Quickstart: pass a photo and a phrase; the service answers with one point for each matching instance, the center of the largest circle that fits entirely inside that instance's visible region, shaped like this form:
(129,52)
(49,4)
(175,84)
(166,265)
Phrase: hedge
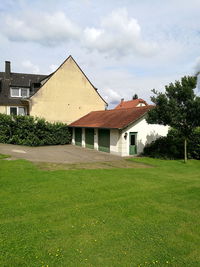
(172,147)
(31,131)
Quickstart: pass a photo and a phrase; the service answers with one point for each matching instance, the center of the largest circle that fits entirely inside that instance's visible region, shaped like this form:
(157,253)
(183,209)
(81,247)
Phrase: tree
(135,97)
(178,107)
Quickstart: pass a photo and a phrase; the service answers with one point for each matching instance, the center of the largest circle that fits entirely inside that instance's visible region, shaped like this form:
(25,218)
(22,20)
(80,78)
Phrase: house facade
(63,96)
(15,89)
(122,132)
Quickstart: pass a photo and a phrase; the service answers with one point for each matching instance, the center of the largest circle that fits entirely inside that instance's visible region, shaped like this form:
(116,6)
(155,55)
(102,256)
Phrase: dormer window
(19,92)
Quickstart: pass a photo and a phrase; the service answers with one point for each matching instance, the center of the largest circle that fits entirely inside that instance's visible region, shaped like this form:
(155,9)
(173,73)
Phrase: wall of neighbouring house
(3,109)
(66,96)
(146,133)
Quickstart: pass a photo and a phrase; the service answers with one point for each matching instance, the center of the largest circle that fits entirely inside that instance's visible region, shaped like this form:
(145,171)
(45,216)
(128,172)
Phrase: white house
(121,132)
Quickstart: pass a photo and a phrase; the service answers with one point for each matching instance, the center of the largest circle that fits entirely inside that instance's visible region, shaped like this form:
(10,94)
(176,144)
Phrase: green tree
(135,97)
(178,107)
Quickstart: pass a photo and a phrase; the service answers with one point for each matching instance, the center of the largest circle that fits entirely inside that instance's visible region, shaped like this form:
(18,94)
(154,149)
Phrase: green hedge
(30,131)
(172,146)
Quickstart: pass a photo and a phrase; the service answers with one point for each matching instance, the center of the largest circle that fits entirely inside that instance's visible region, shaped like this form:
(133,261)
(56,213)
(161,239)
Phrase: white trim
(20,92)
(17,107)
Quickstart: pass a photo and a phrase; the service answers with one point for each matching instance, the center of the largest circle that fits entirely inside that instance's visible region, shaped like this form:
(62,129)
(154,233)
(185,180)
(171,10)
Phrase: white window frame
(20,92)
(17,107)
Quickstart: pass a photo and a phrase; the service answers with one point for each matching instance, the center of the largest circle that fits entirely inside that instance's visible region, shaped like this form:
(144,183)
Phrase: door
(104,140)
(78,136)
(132,143)
(89,137)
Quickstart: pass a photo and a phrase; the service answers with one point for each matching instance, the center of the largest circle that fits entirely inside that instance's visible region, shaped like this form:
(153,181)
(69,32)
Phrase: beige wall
(66,96)
(3,109)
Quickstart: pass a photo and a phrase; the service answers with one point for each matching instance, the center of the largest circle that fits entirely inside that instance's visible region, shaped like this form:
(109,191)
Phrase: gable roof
(70,57)
(18,80)
(113,119)
(130,103)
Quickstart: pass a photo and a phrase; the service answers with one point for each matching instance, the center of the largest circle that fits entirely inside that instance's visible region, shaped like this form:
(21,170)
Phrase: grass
(91,165)
(3,156)
(104,217)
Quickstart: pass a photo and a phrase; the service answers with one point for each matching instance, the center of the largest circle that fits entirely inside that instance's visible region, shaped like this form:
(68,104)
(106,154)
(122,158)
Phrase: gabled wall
(146,133)
(66,96)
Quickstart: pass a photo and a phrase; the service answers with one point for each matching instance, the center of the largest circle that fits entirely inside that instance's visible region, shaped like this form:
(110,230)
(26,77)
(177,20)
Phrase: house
(15,88)
(122,131)
(131,103)
(66,95)
(63,96)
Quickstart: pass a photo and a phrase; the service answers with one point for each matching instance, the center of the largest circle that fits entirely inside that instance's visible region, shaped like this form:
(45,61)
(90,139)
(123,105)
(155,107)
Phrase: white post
(96,146)
(73,136)
(83,137)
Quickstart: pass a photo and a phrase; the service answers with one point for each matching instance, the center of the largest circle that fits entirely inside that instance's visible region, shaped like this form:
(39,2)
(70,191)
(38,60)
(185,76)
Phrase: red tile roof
(114,118)
(131,103)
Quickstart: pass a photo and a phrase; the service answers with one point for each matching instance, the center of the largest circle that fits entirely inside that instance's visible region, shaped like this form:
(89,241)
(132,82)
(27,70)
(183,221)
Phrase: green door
(132,143)
(89,137)
(104,140)
(78,136)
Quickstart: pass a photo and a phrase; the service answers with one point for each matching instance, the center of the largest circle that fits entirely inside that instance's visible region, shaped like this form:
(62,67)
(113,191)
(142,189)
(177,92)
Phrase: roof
(113,119)
(23,79)
(19,80)
(131,103)
(70,57)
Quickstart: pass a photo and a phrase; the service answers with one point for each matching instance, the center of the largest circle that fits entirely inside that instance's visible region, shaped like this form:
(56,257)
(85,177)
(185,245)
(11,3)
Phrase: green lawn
(112,217)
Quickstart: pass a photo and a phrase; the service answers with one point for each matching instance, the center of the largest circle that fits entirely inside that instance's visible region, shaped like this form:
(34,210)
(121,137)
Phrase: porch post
(96,145)
(83,137)
(73,136)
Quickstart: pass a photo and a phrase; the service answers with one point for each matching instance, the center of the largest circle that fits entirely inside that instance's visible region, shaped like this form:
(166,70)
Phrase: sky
(125,47)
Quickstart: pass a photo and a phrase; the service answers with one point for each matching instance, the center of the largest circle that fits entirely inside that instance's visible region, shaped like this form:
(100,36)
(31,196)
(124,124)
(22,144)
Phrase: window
(19,92)
(18,111)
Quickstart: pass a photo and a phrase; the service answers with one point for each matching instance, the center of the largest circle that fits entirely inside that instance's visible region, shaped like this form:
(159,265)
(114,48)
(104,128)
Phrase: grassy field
(105,217)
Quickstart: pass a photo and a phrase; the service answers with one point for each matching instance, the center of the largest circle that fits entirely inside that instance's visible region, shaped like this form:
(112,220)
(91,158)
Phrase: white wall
(114,141)
(146,133)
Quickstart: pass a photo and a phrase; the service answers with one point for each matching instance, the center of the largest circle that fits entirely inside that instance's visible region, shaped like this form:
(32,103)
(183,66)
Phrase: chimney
(7,69)
(122,100)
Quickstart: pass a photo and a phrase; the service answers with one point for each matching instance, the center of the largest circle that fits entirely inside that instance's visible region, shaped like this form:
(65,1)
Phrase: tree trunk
(185,150)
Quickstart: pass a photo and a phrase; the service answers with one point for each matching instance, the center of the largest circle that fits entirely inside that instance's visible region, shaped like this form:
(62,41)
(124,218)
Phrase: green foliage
(171,146)
(178,107)
(30,131)
(135,96)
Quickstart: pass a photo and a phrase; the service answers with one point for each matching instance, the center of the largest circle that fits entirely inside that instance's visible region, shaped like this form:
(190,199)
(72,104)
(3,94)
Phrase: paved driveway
(57,154)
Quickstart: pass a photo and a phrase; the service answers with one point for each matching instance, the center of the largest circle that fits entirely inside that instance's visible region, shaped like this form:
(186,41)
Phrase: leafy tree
(178,107)
(135,97)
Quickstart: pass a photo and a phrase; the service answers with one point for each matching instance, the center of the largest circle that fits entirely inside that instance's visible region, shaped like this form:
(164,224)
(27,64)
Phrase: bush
(172,146)
(30,131)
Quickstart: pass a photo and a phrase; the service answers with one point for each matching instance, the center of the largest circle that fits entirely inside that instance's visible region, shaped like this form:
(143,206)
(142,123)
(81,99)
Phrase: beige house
(66,95)
(63,96)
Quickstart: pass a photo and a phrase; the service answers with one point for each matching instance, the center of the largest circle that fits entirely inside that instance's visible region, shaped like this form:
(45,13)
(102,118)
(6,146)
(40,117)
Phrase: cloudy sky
(123,46)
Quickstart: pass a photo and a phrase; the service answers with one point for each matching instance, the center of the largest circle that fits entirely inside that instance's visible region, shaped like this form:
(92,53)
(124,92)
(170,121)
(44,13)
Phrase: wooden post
(185,150)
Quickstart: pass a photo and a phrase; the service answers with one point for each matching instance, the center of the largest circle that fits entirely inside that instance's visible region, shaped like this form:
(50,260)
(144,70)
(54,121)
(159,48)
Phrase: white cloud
(196,66)
(48,29)
(118,34)
(53,67)
(111,96)
(30,67)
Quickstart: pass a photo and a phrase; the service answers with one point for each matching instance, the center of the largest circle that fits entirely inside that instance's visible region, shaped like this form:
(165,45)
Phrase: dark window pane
(132,140)
(13,111)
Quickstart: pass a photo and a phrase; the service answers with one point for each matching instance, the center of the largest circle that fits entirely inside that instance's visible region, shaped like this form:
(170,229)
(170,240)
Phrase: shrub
(30,131)
(171,146)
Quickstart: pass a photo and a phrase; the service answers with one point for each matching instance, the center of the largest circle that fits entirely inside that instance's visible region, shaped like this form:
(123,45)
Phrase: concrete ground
(57,154)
